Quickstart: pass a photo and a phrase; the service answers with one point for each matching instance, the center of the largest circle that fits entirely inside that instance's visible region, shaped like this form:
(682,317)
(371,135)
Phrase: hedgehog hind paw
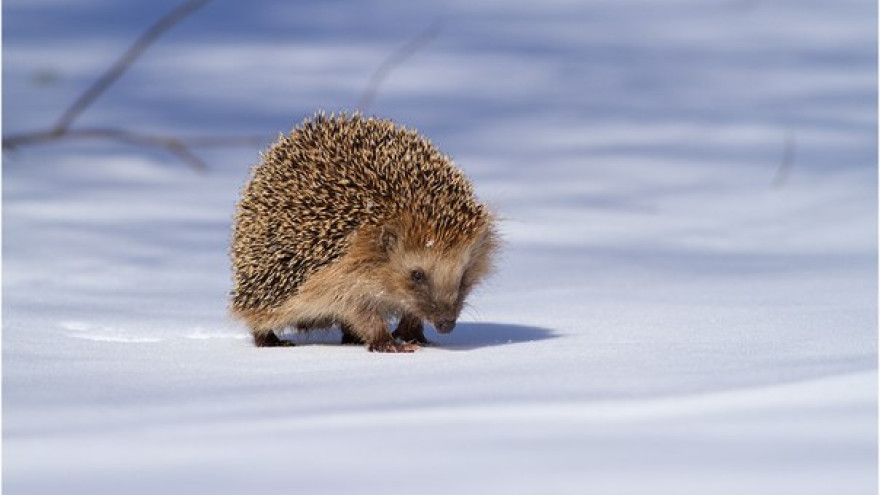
(270,340)
(351,339)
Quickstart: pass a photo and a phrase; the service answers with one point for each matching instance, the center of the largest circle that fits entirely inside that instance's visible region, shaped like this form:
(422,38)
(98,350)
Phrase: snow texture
(676,310)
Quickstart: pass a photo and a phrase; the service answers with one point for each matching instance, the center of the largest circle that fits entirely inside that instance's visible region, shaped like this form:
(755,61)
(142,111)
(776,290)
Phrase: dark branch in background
(176,146)
(393,61)
(124,62)
(179,147)
(787,162)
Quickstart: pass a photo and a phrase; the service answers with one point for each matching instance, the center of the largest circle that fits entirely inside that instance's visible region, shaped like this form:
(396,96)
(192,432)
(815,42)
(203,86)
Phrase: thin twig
(39,137)
(179,147)
(124,62)
(182,152)
(787,161)
(394,60)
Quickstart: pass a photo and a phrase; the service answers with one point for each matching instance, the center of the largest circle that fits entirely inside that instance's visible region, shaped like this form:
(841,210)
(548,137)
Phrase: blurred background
(688,289)
(718,79)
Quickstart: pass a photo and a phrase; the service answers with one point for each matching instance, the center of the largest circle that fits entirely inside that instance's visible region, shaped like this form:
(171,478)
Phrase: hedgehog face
(433,289)
(433,282)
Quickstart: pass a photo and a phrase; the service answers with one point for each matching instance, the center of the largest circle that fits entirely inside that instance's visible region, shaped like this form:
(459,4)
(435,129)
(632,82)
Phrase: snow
(664,319)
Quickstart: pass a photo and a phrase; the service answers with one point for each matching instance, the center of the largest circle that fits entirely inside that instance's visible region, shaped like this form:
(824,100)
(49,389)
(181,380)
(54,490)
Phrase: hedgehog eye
(417,276)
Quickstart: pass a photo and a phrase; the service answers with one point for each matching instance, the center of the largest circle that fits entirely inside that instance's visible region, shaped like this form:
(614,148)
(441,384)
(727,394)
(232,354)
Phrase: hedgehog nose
(445,326)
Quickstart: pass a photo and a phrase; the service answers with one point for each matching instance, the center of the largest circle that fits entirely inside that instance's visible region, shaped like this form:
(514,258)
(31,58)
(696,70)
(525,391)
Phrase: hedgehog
(357,222)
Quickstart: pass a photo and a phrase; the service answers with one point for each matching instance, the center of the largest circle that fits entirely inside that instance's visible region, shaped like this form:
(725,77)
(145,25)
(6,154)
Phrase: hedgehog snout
(443,316)
(444,326)
(444,320)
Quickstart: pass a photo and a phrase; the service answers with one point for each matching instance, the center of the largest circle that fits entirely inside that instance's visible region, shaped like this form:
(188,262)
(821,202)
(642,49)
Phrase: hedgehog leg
(410,329)
(348,335)
(269,339)
(372,329)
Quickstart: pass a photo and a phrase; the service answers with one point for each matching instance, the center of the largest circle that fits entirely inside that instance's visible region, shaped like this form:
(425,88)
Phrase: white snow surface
(663,319)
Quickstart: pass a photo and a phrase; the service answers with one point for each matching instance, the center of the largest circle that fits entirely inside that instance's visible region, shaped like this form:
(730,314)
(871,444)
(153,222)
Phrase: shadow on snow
(466,336)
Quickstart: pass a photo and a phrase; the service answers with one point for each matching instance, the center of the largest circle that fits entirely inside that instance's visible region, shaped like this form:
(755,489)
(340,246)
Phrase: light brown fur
(389,206)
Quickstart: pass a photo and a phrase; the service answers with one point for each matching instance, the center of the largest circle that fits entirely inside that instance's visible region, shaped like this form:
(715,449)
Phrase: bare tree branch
(39,137)
(179,147)
(393,61)
(124,62)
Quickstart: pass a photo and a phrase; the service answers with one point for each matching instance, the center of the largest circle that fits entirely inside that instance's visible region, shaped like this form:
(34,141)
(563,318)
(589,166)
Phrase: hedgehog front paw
(392,346)
(417,339)
(410,330)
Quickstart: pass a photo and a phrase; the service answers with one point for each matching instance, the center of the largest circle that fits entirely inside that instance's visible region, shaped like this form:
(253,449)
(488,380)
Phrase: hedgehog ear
(388,238)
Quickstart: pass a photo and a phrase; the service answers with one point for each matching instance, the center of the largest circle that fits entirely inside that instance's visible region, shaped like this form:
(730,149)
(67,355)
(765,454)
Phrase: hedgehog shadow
(468,335)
